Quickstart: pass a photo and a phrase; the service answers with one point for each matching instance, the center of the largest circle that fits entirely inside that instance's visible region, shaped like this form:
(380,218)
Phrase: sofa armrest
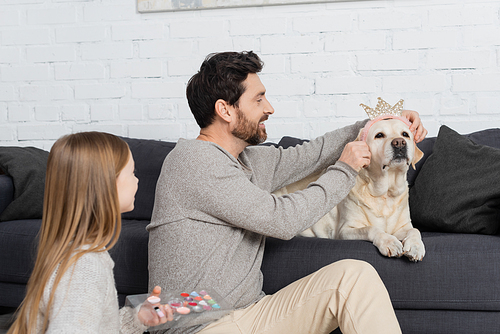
(6,191)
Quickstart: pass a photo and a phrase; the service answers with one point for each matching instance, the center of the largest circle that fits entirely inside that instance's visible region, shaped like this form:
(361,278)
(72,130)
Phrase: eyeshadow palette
(189,308)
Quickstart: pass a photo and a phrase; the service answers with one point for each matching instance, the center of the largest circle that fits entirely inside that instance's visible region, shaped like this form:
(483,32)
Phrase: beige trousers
(348,294)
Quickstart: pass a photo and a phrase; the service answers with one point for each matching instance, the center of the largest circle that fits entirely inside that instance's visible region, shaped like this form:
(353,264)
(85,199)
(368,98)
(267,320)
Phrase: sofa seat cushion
(131,258)
(447,322)
(458,272)
(18,247)
(18,244)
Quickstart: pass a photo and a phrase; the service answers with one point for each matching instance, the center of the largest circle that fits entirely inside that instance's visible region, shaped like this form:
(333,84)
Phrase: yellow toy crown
(383,108)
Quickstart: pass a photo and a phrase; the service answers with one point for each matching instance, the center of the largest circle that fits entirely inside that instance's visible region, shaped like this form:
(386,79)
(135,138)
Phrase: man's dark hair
(220,76)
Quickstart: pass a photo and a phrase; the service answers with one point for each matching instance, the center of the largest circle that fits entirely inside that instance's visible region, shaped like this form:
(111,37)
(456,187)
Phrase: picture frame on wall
(145,6)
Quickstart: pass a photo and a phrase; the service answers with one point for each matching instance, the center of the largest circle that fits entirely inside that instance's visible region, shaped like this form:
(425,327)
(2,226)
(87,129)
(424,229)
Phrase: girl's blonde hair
(80,208)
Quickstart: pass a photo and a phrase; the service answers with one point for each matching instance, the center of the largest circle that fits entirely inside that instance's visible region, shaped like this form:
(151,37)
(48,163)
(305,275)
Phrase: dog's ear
(417,156)
(359,134)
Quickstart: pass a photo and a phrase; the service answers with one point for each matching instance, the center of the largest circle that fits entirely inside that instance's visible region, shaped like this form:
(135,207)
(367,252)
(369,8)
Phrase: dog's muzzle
(399,149)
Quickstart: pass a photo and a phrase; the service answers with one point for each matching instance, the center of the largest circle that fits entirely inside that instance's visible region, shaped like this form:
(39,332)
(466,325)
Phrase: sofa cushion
(130,255)
(426,147)
(148,156)
(6,191)
(488,137)
(286,141)
(18,247)
(26,166)
(458,272)
(456,189)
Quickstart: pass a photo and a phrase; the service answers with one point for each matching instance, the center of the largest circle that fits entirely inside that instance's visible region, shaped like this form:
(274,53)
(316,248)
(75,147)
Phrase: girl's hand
(153,314)
(417,127)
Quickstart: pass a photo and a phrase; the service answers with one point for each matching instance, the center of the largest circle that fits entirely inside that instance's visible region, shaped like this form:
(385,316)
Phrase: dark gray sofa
(455,289)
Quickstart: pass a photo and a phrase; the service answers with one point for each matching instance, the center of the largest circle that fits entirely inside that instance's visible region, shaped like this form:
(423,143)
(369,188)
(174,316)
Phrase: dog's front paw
(389,245)
(414,249)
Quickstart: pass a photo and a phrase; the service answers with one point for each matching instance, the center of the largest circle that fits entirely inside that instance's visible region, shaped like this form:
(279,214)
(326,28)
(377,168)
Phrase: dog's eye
(379,135)
(405,134)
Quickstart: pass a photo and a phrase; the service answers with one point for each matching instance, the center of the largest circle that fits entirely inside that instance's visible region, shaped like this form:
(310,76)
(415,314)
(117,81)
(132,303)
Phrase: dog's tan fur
(377,207)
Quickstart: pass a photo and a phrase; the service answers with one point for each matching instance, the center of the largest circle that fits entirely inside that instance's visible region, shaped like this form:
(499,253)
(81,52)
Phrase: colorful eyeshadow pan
(198,309)
(191,302)
(183,310)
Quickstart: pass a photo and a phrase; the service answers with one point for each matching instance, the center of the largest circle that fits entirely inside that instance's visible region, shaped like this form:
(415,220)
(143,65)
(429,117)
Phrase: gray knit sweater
(86,301)
(213,212)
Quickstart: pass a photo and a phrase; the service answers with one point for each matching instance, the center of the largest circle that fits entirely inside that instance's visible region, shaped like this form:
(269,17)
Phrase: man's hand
(356,154)
(416,127)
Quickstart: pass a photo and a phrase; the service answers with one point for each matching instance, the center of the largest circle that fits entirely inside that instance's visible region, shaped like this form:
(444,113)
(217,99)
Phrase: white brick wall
(78,65)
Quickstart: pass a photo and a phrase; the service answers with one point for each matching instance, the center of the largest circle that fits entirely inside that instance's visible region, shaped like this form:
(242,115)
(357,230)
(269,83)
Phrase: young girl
(90,181)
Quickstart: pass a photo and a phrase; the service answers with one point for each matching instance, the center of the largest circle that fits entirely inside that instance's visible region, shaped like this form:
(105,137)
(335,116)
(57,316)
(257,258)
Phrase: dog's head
(392,145)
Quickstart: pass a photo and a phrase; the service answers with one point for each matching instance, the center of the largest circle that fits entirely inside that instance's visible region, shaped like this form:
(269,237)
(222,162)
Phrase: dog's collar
(368,125)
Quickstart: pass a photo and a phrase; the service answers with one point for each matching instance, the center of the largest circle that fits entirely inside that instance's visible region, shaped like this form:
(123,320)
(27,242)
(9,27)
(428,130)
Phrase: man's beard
(246,131)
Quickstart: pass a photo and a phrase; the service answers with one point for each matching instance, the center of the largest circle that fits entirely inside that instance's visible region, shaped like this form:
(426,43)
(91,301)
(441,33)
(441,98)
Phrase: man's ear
(223,110)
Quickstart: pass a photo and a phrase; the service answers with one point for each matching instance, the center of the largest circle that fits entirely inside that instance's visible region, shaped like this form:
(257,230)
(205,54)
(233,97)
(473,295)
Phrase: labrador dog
(377,208)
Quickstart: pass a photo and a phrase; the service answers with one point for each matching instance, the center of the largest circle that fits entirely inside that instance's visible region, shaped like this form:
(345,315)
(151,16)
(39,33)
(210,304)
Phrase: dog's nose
(398,143)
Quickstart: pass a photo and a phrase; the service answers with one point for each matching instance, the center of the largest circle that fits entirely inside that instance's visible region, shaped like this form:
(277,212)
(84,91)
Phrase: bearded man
(214,209)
